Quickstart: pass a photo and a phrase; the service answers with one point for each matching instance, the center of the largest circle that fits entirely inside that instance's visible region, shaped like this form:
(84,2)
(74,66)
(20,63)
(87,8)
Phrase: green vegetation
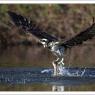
(60,20)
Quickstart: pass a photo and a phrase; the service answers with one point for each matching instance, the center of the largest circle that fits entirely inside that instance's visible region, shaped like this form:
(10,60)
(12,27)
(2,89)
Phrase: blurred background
(63,21)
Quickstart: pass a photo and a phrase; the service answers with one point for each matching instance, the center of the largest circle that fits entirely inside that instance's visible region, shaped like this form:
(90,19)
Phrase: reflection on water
(57,88)
(37,59)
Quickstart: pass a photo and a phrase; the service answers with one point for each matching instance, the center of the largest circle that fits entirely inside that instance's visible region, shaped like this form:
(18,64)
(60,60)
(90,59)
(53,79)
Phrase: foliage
(61,20)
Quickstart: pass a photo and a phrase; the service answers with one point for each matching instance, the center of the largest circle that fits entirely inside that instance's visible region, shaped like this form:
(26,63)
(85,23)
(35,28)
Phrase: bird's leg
(61,61)
(58,66)
(55,65)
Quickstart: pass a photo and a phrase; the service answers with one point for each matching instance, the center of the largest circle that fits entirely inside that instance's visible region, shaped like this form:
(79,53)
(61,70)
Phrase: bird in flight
(52,43)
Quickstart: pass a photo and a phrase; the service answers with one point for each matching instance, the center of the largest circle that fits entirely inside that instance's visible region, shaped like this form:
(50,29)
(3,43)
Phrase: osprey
(51,42)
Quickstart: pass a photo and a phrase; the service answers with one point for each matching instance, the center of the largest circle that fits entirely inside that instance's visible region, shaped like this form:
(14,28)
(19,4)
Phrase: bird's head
(53,43)
(44,42)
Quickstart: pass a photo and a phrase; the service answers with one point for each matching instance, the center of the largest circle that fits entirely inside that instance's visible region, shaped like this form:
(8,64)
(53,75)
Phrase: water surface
(30,69)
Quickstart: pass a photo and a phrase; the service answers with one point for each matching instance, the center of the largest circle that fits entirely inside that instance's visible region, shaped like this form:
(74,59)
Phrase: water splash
(73,72)
(69,76)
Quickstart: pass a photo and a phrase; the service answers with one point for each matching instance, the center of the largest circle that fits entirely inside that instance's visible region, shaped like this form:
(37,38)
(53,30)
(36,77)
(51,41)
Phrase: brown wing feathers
(89,33)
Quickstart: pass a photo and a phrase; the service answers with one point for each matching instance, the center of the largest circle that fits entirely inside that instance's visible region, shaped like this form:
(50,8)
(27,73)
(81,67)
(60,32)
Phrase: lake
(30,69)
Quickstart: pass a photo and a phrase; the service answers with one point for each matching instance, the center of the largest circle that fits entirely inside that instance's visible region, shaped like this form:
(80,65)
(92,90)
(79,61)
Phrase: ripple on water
(71,76)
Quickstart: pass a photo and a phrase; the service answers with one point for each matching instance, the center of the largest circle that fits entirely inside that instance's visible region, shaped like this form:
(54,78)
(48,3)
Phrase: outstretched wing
(89,33)
(30,26)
